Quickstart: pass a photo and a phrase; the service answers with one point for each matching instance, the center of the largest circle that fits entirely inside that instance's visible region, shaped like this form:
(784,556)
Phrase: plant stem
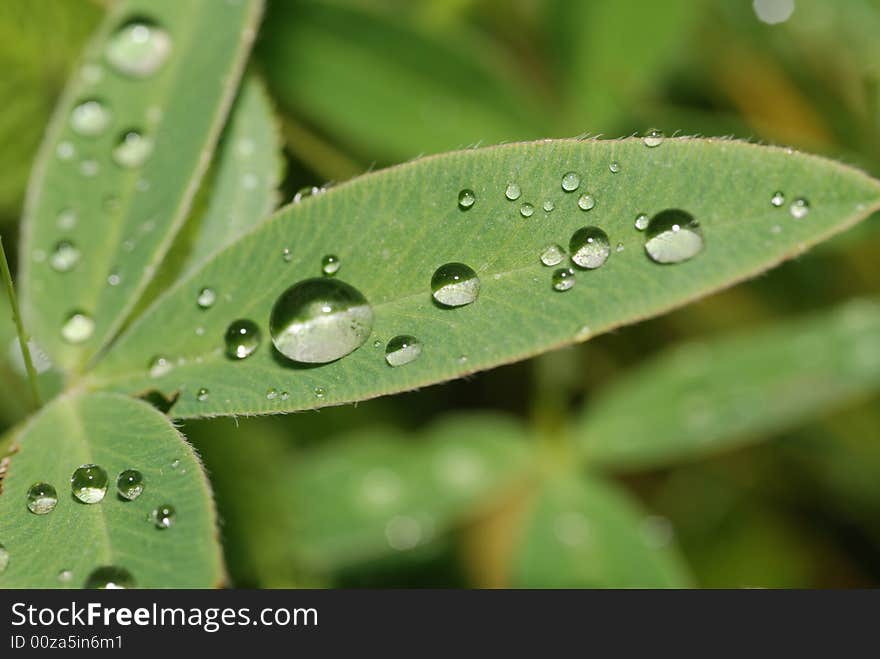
(16,317)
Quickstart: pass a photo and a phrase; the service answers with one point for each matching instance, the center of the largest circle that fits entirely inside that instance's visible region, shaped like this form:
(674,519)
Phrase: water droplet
(618,247)
(163,516)
(272,394)
(202,395)
(65,576)
(109,577)
(466,199)
(159,366)
(65,151)
(89,483)
(138,49)
(455,285)
(114,279)
(89,168)
(284,395)
(778,199)
(799,208)
(772,12)
(320,320)
(77,328)
(287,255)
(526,210)
(614,166)
(570,181)
(653,138)
(552,255)
(549,206)
(64,257)
(4,559)
(642,221)
(513,191)
(250,181)
(41,498)
(589,247)
(563,279)
(130,484)
(403,532)
(243,337)
(66,219)
(330,265)
(206,298)
(175,463)
(586,202)
(132,149)
(307,191)
(319,392)
(673,236)
(402,350)
(90,118)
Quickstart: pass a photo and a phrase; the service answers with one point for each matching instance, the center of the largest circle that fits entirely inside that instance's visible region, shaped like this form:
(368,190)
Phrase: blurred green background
(361,84)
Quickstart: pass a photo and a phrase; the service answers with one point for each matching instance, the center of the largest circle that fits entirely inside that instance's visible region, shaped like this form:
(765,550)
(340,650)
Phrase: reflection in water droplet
(138,49)
(799,208)
(110,577)
(330,265)
(243,337)
(159,366)
(455,285)
(163,516)
(206,298)
(570,181)
(78,327)
(526,210)
(89,483)
(586,202)
(130,484)
(132,149)
(466,199)
(64,257)
(513,191)
(653,138)
(778,199)
(90,118)
(552,255)
(320,320)
(402,349)
(563,279)
(673,236)
(589,247)
(41,498)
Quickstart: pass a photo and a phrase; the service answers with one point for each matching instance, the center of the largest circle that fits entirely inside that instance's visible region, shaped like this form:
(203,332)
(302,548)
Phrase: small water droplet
(320,320)
(159,366)
(163,516)
(78,327)
(65,151)
(130,484)
(89,483)
(586,202)
(466,199)
(330,265)
(206,298)
(175,463)
(90,118)
(307,191)
(319,392)
(642,221)
(614,166)
(202,395)
(673,236)
(455,285)
(402,349)
(41,498)
(272,394)
(589,247)
(138,49)
(563,279)
(799,208)
(549,206)
(66,219)
(4,559)
(64,257)
(65,576)
(109,577)
(653,138)
(132,149)
(89,168)
(619,247)
(778,199)
(513,191)
(243,337)
(114,279)
(284,395)
(552,255)
(286,255)
(570,181)
(526,210)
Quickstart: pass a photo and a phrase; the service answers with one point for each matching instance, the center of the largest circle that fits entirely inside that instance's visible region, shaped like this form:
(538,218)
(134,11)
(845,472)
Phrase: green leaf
(586,533)
(116,433)
(126,216)
(378,490)
(393,229)
(720,393)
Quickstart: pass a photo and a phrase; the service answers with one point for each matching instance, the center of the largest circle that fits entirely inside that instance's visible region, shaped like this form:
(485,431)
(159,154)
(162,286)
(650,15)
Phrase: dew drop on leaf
(206,298)
(570,181)
(78,327)
(466,199)
(320,320)
(286,255)
(271,394)
(202,394)
(673,236)
(513,191)
(586,202)
(132,149)
(799,208)
(778,199)
(65,151)
(64,257)
(4,559)
(89,483)
(242,338)
(552,255)
(130,484)
(66,219)
(549,206)
(307,191)
(653,138)
(589,247)
(89,168)
(319,392)
(163,516)
(41,498)
(455,285)
(642,221)
(330,265)
(90,118)
(65,576)
(563,279)
(526,210)
(138,49)
(109,577)
(402,349)
(159,366)
(614,167)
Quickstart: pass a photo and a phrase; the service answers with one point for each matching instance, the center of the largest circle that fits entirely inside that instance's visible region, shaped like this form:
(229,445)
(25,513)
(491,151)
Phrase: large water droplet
(90,118)
(78,327)
(552,255)
(589,247)
(570,181)
(513,191)
(320,320)
(110,577)
(163,516)
(330,265)
(653,138)
(64,257)
(89,483)
(799,208)
(242,339)
(563,279)
(206,298)
(466,199)
(4,559)
(673,236)
(138,49)
(778,199)
(586,202)
(132,149)
(402,350)
(130,484)
(455,285)
(41,498)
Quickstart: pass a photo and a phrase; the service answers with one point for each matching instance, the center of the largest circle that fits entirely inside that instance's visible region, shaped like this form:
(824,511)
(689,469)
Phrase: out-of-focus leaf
(727,392)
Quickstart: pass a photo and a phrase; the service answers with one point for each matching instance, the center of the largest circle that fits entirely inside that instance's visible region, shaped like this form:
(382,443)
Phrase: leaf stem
(19,326)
